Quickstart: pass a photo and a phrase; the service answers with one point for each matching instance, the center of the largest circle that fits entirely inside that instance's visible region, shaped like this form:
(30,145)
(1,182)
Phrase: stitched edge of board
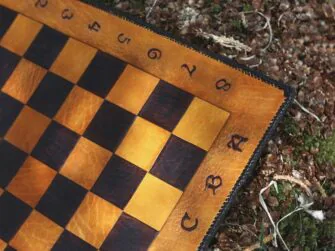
(247,173)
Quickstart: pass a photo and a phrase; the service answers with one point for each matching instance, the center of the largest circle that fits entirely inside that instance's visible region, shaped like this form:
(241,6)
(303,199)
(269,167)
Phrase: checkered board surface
(94,153)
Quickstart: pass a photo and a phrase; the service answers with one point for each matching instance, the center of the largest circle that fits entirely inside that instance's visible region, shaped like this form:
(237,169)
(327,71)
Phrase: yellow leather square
(85,163)
(31,181)
(201,123)
(24,80)
(78,109)
(37,233)
(132,89)
(143,143)
(73,60)
(20,35)
(3,245)
(94,219)
(153,201)
(27,129)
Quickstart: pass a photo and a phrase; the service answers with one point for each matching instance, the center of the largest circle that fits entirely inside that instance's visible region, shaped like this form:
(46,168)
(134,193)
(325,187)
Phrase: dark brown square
(166,105)
(9,248)
(55,145)
(9,110)
(61,200)
(109,126)
(101,74)
(178,162)
(7,17)
(11,159)
(69,242)
(13,213)
(118,181)
(129,234)
(46,47)
(8,62)
(52,89)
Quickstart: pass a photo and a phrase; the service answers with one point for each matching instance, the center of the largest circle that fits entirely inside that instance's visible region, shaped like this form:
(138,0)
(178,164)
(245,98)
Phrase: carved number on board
(236,141)
(213,182)
(95,26)
(186,218)
(190,71)
(154,53)
(67,14)
(41,3)
(123,39)
(222,84)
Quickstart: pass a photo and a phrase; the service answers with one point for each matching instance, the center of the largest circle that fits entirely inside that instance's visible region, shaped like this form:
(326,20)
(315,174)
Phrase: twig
(151,8)
(321,189)
(263,204)
(248,58)
(293,180)
(266,25)
(280,18)
(304,205)
(266,239)
(307,111)
(257,64)
(224,41)
(283,218)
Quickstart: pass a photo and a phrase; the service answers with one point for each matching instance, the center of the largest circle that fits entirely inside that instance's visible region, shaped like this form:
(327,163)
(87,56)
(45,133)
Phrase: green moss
(216,9)
(326,146)
(326,152)
(247,7)
(280,195)
(307,142)
(290,126)
(300,229)
(285,192)
(261,239)
(327,186)
(237,24)
(138,4)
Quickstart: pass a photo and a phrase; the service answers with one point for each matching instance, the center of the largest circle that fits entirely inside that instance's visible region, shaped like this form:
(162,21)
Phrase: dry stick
(151,8)
(263,204)
(293,180)
(283,218)
(307,111)
(303,206)
(321,189)
(280,17)
(266,239)
(247,58)
(267,25)
(228,42)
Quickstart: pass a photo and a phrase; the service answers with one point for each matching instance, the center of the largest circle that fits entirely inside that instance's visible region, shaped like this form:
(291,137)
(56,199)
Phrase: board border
(289,93)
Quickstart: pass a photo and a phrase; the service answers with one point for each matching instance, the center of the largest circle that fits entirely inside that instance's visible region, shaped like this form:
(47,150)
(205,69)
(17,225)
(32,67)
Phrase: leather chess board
(115,136)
